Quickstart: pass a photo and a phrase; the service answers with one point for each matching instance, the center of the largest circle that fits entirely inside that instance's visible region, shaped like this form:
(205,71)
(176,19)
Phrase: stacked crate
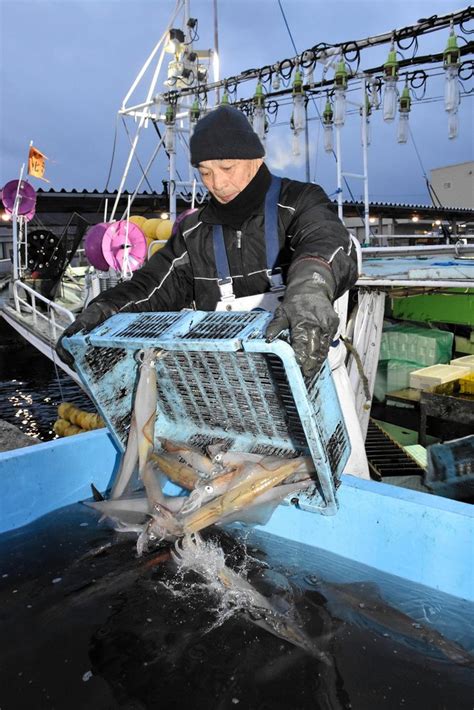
(406,348)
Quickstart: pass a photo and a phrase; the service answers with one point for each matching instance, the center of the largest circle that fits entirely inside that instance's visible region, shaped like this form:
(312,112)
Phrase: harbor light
(328,122)
(403,114)
(340,82)
(390,85)
(258,120)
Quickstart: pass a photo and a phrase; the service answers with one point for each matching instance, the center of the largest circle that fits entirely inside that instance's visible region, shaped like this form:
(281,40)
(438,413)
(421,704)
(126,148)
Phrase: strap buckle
(276,279)
(226,289)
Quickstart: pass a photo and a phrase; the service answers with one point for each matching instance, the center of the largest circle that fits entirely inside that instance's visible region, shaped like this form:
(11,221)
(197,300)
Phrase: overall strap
(272,245)
(224,279)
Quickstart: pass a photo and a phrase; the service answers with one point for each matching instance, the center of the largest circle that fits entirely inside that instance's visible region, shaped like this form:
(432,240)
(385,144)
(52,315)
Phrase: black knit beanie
(224,133)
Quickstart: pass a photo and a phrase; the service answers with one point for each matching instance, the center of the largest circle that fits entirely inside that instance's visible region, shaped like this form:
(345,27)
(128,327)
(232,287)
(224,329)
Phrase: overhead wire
(361,216)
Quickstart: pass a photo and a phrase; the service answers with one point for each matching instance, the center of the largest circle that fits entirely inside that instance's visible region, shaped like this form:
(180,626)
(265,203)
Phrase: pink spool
(27,197)
(27,217)
(93,246)
(117,242)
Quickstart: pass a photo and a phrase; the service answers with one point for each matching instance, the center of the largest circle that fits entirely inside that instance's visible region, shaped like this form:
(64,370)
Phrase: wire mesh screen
(239,392)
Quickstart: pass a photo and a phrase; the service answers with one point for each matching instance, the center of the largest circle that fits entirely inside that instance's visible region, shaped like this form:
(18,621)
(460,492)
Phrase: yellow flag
(36,163)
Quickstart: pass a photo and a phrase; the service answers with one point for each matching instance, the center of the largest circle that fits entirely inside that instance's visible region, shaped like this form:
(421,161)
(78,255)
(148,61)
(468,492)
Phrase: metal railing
(53,310)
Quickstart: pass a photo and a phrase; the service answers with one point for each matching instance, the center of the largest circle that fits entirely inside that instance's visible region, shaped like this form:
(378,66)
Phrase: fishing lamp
(328,116)
(276,83)
(390,89)
(258,121)
(194,112)
(404,108)
(299,118)
(340,84)
(225,99)
(170,117)
(451,85)
(175,41)
(451,67)
(453,124)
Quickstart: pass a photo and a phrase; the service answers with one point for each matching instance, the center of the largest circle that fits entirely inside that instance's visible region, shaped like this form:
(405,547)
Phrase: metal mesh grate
(101,360)
(219,326)
(336,447)
(149,325)
(266,450)
(230,390)
(202,442)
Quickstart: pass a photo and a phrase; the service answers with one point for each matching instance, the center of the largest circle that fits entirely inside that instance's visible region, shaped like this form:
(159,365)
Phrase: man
(257,230)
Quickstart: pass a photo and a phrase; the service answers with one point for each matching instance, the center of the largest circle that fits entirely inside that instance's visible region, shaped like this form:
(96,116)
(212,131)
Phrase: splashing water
(234,594)
(206,558)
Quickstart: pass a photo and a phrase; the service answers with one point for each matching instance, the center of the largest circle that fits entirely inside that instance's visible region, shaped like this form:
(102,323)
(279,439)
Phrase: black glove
(93,315)
(308,313)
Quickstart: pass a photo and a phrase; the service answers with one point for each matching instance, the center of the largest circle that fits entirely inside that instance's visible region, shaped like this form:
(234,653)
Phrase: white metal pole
(365,159)
(15,224)
(172,185)
(339,171)
(142,121)
(216,50)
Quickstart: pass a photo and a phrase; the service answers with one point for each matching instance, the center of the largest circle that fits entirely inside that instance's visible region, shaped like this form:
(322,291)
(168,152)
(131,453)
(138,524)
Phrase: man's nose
(220,181)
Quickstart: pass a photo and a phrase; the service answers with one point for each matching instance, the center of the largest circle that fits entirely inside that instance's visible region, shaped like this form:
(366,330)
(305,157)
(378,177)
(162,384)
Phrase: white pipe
(140,125)
(154,51)
(367,281)
(339,171)
(422,250)
(365,162)
(145,172)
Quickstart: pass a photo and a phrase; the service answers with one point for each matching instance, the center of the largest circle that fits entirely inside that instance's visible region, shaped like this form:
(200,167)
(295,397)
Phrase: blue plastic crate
(219,380)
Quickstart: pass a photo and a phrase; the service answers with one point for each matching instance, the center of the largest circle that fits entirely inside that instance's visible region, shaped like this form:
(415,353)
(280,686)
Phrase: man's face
(226,178)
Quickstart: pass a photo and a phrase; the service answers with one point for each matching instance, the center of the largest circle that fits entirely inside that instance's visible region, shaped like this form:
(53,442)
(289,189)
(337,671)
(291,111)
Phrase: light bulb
(296,143)
(390,99)
(451,89)
(169,139)
(339,107)
(453,124)
(328,139)
(259,122)
(276,82)
(402,131)
(298,112)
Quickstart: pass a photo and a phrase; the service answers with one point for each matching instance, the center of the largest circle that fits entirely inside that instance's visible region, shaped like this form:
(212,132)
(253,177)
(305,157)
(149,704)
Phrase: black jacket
(183,273)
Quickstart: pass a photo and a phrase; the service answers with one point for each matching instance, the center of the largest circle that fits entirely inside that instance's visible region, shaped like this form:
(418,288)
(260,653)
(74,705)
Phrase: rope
(360,368)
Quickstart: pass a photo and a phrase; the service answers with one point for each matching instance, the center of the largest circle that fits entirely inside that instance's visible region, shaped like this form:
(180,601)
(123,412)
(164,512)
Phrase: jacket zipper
(239,233)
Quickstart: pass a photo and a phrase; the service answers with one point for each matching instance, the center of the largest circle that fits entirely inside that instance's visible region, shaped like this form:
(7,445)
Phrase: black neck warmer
(234,213)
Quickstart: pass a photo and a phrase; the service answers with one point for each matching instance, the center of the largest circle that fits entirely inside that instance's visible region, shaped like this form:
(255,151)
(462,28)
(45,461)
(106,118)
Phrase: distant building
(453,185)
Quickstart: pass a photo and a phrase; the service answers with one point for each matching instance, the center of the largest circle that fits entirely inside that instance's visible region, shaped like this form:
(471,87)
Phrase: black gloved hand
(308,313)
(93,315)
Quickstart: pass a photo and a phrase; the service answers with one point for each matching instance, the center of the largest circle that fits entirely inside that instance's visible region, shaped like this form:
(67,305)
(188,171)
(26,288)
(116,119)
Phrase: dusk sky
(66,66)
